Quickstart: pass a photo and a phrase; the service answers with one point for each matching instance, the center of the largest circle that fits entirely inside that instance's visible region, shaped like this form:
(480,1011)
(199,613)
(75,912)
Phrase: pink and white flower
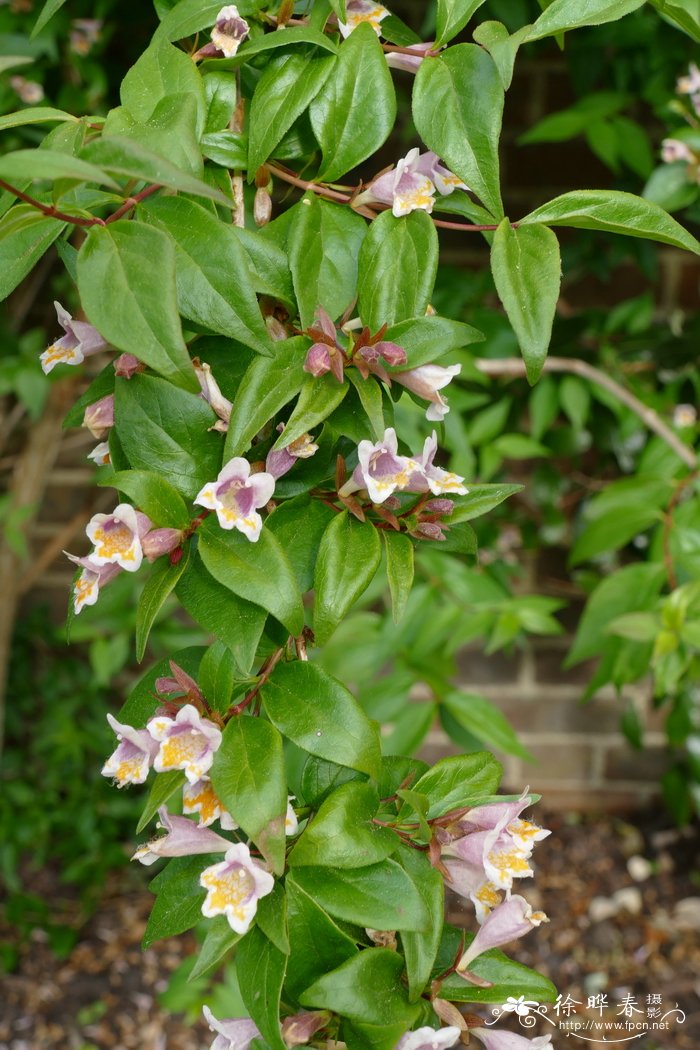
(325,354)
(234,1033)
(236,496)
(229,32)
(201,798)
(100,454)
(434,479)
(494,1040)
(134,754)
(211,393)
(87,587)
(380,470)
(161,541)
(510,920)
(409,63)
(359,11)
(80,341)
(427,381)
(128,365)
(279,461)
(99,417)
(117,537)
(188,742)
(673,150)
(412,184)
(183,838)
(429,1039)
(234,887)
(291,821)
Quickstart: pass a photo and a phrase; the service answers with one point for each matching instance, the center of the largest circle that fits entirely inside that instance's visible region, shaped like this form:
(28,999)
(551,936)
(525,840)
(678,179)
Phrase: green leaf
(220,96)
(397,265)
(570,14)
(238,623)
(526,266)
(369,393)
(367,988)
(159,586)
(268,384)
(153,495)
(217,676)
(425,339)
(249,777)
(25,235)
(137,264)
(457,109)
(163,429)
(342,834)
(261,967)
(486,722)
(355,113)
(218,941)
(142,701)
(481,499)
(35,115)
(613,530)
(380,896)
(178,904)
(324,244)
(452,16)
(508,978)
(317,944)
(214,285)
(321,716)
(258,572)
(268,264)
(50,8)
(348,559)
(287,86)
(636,626)
(420,949)
(317,399)
(320,778)
(271,918)
(502,46)
(399,570)
(679,13)
(129,159)
(286,37)
(39,164)
(163,787)
(456,781)
(189,16)
(615,212)
(162,70)
(299,525)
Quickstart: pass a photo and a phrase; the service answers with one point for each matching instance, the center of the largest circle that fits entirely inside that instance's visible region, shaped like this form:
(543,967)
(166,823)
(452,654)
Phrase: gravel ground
(624,906)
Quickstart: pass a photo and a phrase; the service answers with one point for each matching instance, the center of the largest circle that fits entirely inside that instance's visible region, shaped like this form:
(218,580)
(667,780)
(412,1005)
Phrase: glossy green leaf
(35,115)
(570,14)
(25,235)
(502,46)
(159,585)
(153,495)
(288,85)
(342,834)
(137,264)
(452,16)
(267,386)
(380,896)
(220,98)
(317,399)
(214,285)
(419,948)
(367,988)
(258,572)
(142,701)
(268,265)
(317,944)
(426,339)
(457,109)
(160,71)
(261,967)
(39,164)
(324,245)
(348,559)
(397,265)
(178,904)
(218,673)
(165,430)
(299,525)
(163,787)
(50,8)
(271,918)
(314,710)
(353,115)
(484,720)
(189,16)
(399,569)
(526,267)
(369,394)
(287,37)
(319,778)
(217,943)
(614,212)
(481,499)
(249,777)
(456,781)
(678,12)
(506,977)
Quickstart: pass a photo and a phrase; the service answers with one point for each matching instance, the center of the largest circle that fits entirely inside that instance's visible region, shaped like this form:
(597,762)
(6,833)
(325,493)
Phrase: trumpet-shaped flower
(412,184)
(81,340)
(188,742)
(409,63)
(494,1040)
(134,754)
(161,541)
(235,1033)
(236,496)
(429,1038)
(434,479)
(201,798)
(100,454)
(87,587)
(512,919)
(234,887)
(359,11)
(117,537)
(212,395)
(229,32)
(291,821)
(99,417)
(427,381)
(182,838)
(325,354)
(380,470)
(279,461)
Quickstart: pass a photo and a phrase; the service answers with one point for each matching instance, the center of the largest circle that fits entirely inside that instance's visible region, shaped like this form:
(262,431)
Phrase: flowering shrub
(247,422)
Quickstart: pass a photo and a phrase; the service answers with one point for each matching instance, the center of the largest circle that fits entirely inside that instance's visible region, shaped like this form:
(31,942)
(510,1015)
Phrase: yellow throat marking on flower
(118,540)
(84,590)
(127,769)
(228,890)
(182,748)
(510,862)
(206,802)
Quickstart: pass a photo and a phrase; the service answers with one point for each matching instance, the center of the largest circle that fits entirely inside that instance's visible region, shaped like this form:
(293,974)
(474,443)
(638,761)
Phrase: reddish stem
(265,672)
(131,202)
(48,209)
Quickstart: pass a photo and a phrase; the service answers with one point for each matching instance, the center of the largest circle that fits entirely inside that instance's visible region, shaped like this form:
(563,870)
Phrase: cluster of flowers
(326,354)
(188,741)
(674,149)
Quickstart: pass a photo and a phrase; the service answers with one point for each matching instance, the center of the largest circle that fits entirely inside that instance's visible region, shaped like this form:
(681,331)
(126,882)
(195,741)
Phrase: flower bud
(298,1030)
(318,359)
(99,417)
(160,541)
(428,530)
(439,506)
(127,365)
(391,352)
(275,329)
(262,207)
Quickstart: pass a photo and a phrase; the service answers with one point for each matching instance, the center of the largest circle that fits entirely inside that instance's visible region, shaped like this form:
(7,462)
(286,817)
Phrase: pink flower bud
(127,365)
(160,541)
(439,506)
(262,207)
(99,417)
(298,1030)
(391,352)
(318,359)
(428,530)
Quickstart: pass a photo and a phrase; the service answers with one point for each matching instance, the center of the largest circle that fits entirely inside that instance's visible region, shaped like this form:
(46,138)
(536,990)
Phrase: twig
(48,209)
(514,366)
(678,491)
(131,202)
(265,672)
(304,184)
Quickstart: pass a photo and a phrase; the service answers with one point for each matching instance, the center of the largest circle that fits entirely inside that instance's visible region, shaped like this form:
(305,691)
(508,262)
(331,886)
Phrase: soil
(623,899)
